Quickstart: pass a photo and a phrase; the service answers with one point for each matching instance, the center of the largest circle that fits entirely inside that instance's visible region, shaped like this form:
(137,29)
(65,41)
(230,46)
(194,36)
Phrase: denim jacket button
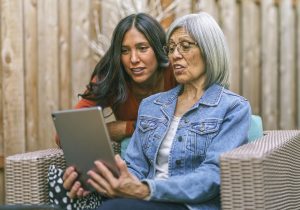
(178,162)
(180,138)
(202,127)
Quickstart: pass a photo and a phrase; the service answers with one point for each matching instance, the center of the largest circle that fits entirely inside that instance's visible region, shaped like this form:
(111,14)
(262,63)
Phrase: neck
(193,91)
(152,85)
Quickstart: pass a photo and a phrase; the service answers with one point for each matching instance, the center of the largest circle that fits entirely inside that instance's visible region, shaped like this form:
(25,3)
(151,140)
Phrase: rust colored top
(128,110)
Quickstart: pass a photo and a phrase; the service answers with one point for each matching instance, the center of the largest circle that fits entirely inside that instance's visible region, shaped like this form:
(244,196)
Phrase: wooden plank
(298,59)
(230,23)
(270,66)
(1,91)
(13,76)
(287,67)
(294,63)
(81,54)
(209,6)
(65,77)
(250,59)
(1,120)
(31,74)
(48,69)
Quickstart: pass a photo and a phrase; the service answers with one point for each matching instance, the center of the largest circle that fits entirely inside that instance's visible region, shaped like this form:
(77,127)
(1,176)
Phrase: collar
(211,96)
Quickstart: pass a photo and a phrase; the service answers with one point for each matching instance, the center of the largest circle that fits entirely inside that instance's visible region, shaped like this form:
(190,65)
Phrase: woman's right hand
(72,185)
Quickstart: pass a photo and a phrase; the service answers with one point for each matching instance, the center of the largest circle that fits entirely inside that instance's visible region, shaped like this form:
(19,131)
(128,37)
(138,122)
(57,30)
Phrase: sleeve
(84,103)
(57,140)
(205,183)
(130,126)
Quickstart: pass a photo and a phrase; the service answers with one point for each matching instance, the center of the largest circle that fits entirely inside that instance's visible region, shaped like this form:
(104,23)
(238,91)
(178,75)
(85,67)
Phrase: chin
(139,80)
(181,80)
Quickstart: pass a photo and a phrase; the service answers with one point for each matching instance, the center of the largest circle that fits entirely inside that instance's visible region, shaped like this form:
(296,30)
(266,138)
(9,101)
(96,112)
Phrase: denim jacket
(217,123)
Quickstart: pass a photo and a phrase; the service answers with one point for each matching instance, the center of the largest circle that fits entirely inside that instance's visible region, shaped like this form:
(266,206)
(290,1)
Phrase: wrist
(145,192)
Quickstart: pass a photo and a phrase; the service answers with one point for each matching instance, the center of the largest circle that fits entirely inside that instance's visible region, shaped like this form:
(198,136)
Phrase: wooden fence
(45,62)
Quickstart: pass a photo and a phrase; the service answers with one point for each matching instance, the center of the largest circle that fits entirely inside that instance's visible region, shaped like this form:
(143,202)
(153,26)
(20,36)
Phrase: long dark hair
(110,85)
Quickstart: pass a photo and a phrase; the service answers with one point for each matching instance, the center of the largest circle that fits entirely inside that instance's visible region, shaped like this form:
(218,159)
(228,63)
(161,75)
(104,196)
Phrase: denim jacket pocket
(148,126)
(201,133)
(148,123)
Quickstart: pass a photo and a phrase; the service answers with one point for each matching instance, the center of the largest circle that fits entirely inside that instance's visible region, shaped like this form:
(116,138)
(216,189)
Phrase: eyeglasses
(182,47)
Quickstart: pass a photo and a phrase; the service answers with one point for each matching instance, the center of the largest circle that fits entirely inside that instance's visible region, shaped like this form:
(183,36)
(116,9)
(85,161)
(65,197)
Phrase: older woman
(172,161)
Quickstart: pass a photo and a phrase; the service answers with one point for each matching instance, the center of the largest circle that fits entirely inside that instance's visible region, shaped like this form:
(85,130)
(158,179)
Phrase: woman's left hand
(126,185)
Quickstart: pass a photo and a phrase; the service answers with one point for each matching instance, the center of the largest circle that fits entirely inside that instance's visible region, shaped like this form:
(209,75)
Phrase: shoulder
(232,95)
(233,99)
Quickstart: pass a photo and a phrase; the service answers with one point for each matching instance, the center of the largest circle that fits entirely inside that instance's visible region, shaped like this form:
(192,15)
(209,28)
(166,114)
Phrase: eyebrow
(188,39)
(183,36)
(139,43)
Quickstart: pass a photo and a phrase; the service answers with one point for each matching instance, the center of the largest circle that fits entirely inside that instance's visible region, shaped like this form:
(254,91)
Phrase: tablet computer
(84,138)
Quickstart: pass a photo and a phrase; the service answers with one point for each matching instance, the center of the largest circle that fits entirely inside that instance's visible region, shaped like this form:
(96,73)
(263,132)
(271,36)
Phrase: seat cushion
(124,145)
(256,128)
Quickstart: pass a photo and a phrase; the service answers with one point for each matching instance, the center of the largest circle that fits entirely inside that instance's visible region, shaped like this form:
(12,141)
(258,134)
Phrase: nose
(176,53)
(134,57)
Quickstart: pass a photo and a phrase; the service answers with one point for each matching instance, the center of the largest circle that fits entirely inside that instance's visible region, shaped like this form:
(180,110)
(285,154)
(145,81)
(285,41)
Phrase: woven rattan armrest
(263,174)
(26,175)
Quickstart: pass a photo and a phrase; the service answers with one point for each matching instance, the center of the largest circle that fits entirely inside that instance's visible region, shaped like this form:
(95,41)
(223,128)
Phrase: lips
(137,71)
(178,68)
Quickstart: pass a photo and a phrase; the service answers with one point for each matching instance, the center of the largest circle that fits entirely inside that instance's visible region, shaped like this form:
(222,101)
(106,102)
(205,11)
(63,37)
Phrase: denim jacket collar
(211,96)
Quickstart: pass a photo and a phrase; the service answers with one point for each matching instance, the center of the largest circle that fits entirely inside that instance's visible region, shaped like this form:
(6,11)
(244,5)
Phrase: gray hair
(211,40)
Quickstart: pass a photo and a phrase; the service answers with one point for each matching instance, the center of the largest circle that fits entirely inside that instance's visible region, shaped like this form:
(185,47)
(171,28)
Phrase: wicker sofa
(264,174)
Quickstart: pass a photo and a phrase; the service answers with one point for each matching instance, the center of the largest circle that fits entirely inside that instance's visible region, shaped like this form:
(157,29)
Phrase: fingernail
(118,157)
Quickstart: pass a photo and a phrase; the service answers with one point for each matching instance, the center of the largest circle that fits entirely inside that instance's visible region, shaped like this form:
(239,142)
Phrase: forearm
(119,130)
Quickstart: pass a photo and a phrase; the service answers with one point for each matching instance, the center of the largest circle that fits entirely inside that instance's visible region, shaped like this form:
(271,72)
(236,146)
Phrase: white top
(162,161)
